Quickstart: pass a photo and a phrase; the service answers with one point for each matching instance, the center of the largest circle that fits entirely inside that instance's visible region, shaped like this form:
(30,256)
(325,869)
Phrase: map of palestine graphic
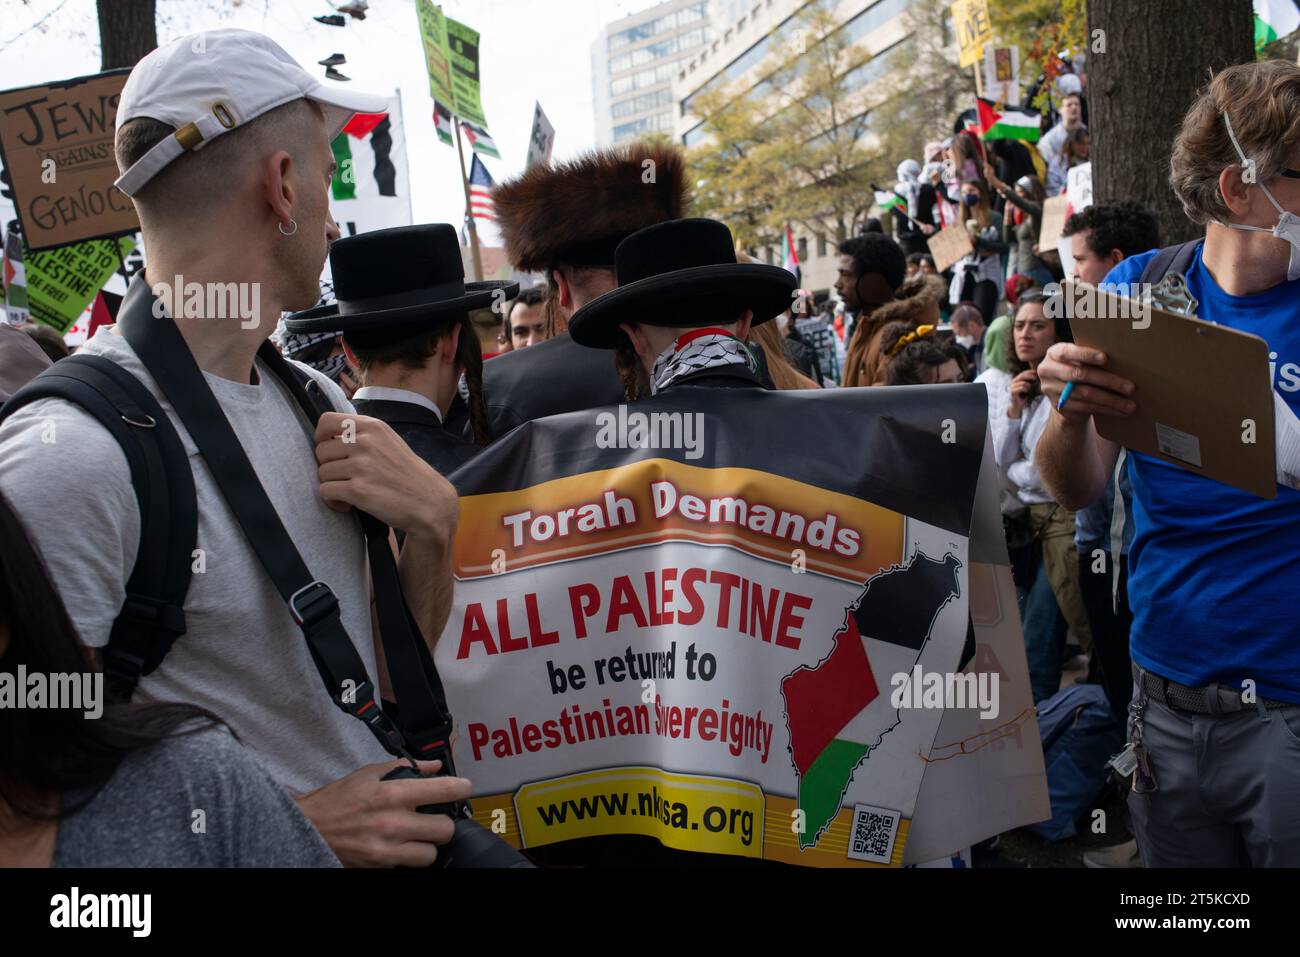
(834,710)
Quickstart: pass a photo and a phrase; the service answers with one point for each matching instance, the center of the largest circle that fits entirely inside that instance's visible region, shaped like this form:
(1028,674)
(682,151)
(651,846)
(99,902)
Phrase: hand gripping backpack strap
(152,616)
(314,606)
(422,703)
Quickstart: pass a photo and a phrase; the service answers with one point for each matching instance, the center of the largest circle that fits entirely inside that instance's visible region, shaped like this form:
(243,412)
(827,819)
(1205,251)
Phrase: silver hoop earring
(290,232)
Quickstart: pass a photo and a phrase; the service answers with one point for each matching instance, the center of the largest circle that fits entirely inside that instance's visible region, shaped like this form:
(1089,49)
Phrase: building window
(803,248)
(639,104)
(821,246)
(648,124)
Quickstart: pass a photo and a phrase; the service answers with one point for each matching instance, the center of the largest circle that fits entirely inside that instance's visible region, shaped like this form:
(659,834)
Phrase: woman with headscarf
(909,187)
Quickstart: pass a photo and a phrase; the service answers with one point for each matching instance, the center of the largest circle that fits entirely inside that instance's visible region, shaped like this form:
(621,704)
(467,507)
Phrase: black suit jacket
(554,376)
(421,430)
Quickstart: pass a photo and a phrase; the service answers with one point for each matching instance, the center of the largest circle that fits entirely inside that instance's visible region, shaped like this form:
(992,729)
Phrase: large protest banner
(984,774)
(716,641)
(56,142)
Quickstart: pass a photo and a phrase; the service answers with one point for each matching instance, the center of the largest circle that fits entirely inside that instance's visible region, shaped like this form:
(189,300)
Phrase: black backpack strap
(1170,259)
(152,616)
(423,716)
(313,604)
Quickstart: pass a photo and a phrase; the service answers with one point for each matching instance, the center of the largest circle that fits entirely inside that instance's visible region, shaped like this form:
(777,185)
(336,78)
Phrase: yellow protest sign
(974,29)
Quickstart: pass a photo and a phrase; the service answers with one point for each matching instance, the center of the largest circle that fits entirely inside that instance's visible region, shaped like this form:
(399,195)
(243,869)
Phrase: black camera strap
(423,725)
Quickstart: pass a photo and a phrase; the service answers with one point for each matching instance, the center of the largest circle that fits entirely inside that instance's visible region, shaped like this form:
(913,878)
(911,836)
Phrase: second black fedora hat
(399,279)
(681,273)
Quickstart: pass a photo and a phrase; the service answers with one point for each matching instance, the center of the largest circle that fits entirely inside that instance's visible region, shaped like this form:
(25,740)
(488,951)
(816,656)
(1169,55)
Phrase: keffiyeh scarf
(700,349)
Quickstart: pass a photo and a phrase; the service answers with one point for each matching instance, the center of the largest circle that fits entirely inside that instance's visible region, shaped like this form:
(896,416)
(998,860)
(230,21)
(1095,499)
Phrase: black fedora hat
(398,280)
(681,273)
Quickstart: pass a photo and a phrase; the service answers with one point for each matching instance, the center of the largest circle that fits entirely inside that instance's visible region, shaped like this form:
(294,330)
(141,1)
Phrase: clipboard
(1200,388)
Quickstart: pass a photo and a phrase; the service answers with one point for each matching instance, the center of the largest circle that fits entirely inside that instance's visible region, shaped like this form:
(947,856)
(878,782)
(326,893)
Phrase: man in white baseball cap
(224,146)
(214,82)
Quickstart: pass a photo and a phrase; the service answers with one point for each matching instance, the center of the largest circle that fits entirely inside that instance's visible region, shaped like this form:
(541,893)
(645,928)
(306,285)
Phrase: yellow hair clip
(919,333)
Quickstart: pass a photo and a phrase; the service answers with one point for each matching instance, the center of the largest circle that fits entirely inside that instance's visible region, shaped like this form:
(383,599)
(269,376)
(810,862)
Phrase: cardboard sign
(56,141)
(974,29)
(1055,211)
(950,245)
(1001,74)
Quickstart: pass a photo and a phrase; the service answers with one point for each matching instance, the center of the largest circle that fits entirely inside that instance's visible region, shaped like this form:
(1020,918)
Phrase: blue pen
(1065,396)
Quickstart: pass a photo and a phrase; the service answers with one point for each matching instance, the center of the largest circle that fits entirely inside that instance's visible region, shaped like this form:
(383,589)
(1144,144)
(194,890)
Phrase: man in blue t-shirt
(1213,574)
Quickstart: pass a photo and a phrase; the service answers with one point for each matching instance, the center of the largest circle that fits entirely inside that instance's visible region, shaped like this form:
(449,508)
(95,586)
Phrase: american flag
(480,192)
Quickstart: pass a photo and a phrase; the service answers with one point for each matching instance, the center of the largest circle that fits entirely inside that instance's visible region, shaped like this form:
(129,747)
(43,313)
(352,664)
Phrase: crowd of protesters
(438,392)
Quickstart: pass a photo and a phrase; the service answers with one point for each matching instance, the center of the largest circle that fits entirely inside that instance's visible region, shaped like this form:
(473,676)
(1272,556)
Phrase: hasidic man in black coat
(403,308)
(682,310)
(565,221)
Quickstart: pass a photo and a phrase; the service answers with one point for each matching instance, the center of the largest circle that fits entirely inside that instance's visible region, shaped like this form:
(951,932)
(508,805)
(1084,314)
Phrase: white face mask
(1288,223)
(966,342)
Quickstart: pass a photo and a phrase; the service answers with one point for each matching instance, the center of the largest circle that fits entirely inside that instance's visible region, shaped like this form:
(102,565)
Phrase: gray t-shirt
(242,658)
(194,800)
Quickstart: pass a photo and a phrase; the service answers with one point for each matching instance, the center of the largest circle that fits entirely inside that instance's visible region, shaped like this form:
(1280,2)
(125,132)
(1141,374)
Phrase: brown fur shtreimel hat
(577,212)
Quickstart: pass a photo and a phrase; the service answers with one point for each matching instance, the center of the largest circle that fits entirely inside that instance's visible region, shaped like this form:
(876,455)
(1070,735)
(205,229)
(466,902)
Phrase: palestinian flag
(1007,124)
(791,263)
(376,128)
(479,140)
(442,123)
(839,710)
(888,200)
(1274,19)
(370,188)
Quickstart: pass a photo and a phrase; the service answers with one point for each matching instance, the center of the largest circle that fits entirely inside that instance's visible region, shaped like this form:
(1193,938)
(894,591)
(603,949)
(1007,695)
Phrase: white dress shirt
(380,393)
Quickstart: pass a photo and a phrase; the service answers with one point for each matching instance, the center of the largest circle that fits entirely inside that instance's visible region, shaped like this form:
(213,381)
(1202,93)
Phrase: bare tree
(1143,72)
(127,31)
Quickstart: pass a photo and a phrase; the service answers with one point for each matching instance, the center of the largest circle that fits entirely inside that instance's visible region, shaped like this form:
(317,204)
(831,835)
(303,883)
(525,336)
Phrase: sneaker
(334,59)
(1117,855)
(331,20)
(333,74)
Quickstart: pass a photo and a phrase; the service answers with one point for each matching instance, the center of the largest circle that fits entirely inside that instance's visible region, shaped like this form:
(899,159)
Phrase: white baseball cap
(210,83)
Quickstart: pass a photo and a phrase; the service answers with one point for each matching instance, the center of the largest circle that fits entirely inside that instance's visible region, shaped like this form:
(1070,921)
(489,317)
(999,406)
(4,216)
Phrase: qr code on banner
(873,833)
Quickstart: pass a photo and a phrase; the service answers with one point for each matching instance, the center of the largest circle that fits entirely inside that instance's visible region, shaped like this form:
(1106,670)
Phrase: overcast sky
(531,50)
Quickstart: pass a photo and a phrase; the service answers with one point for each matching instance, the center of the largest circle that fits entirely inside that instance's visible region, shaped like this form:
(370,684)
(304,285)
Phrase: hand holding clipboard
(1191,393)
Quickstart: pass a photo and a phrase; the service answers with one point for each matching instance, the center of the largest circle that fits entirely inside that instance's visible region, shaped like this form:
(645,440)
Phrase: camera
(472,845)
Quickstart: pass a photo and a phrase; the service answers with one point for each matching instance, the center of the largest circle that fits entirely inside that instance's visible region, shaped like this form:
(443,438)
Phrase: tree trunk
(126,32)
(1140,87)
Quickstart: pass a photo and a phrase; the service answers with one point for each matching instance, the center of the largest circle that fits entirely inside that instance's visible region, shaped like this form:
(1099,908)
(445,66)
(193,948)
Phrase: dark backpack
(153,614)
(1079,734)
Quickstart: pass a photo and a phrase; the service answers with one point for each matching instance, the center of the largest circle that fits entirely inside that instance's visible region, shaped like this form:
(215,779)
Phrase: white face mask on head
(1288,223)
